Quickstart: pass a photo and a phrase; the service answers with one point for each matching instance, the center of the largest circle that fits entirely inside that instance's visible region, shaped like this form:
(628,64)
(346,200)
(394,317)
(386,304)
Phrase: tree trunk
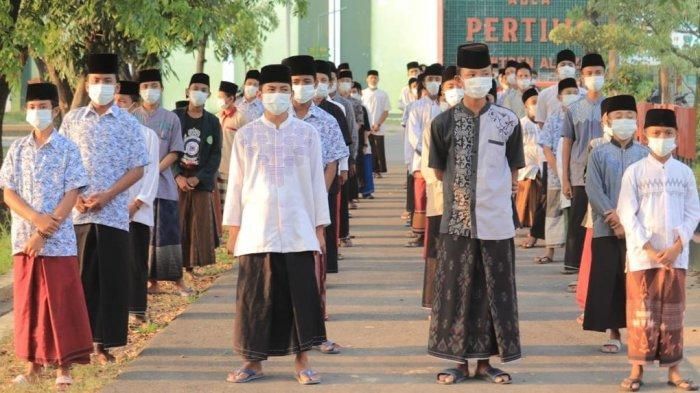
(4,93)
(664,85)
(65,91)
(201,54)
(43,69)
(80,96)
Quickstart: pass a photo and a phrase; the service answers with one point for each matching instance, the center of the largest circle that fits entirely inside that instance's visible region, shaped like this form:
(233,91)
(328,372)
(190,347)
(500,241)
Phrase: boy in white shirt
(659,210)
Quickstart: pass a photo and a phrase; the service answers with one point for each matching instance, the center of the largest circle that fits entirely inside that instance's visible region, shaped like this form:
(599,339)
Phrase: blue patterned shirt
(549,137)
(41,175)
(333,145)
(110,146)
(251,109)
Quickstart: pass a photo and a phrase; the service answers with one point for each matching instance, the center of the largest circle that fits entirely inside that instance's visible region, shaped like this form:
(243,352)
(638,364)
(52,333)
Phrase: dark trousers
(576,233)
(605,302)
(537,228)
(139,235)
(410,200)
(344,211)
(332,229)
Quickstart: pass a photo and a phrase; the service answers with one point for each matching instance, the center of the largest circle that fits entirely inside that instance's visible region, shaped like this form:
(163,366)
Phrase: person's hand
(668,256)
(193,181)
(134,206)
(343,177)
(514,187)
(612,219)
(34,245)
(352,170)
(182,184)
(375,127)
(97,201)
(417,175)
(46,223)
(321,236)
(566,188)
(80,205)
(619,232)
(652,253)
(231,243)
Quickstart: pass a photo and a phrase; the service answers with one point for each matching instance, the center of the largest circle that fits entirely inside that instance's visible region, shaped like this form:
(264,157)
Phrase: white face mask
(221,103)
(322,90)
(414,92)
(662,146)
(356,96)
(150,96)
(566,72)
(624,128)
(101,93)
(568,99)
(524,84)
(432,87)
(477,87)
(344,87)
(277,103)
(303,93)
(454,96)
(40,118)
(332,88)
(594,83)
(250,91)
(511,79)
(198,98)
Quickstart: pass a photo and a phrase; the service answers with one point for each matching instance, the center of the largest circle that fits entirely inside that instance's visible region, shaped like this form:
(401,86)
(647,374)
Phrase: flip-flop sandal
(611,343)
(21,380)
(329,348)
(308,377)
(493,374)
(63,383)
(631,385)
(250,375)
(456,374)
(685,385)
(543,260)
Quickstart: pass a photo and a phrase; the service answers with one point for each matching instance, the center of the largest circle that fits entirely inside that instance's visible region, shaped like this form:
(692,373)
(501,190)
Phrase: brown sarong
(197,228)
(419,205)
(526,201)
(51,319)
(655,310)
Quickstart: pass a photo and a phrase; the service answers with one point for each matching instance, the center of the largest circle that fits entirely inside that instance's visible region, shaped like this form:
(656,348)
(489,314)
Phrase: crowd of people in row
(128,194)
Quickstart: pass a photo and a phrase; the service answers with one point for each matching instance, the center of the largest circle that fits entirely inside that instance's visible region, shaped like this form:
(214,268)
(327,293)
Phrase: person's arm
(691,214)
(168,161)
(595,187)
(322,217)
(541,108)
(209,169)
(175,145)
(45,223)
(438,148)
(413,130)
(568,136)
(382,118)
(99,200)
(627,209)
(329,174)
(149,185)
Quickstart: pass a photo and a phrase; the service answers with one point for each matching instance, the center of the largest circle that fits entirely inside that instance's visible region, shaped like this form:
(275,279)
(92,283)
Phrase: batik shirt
(606,164)
(276,189)
(476,154)
(251,109)
(581,124)
(333,146)
(110,145)
(41,176)
(658,204)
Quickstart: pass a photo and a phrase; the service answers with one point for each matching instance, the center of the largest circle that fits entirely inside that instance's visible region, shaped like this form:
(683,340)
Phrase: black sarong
(139,236)
(475,310)
(537,228)
(345,210)
(104,260)
(432,234)
(378,153)
(605,302)
(278,307)
(165,260)
(410,199)
(576,233)
(332,229)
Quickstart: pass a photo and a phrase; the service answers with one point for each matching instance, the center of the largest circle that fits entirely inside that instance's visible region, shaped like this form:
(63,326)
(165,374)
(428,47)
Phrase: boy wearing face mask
(195,174)
(581,125)
(508,80)
(345,84)
(548,101)
(476,149)
(333,149)
(365,170)
(378,106)
(659,211)
(250,103)
(278,307)
(605,300)
(41,178)
(422,112)
(141,197)
(550,140)
(531,178)
(231,119)
(114,154)
(453,93)
(513,98)
(165,260)
(408,95)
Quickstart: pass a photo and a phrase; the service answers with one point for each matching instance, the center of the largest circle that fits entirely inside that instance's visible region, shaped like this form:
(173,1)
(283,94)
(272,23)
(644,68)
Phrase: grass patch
(5,251)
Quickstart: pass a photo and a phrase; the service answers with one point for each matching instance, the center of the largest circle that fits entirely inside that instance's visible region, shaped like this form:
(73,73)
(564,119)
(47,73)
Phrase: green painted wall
(356,36)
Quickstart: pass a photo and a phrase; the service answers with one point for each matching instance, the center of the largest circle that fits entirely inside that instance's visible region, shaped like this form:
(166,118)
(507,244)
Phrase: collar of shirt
(658,164)
(112,110)
(272,125)
(461,106)
(228,112)
(309,113)
(614,142)
(30,141)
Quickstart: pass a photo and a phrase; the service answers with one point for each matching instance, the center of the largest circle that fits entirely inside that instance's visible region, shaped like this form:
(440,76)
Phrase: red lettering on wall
(510,30)
(512,2)
(473,26)
(544,34)
(528,22)
(489,29)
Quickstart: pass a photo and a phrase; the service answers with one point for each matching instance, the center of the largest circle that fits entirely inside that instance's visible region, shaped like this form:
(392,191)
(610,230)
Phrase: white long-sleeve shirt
(377,102)
(658,204)
(534,156)
(421,113)
(276,189)
(146,188)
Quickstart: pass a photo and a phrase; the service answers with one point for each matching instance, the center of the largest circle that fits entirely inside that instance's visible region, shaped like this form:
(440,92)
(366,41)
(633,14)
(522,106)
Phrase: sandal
(22,380)
(244,375)
(63,383)
(308,377)
(543,260)
(631,385)
(685,385)
(495,375)
(616,344)
(329,348)
(457,375)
